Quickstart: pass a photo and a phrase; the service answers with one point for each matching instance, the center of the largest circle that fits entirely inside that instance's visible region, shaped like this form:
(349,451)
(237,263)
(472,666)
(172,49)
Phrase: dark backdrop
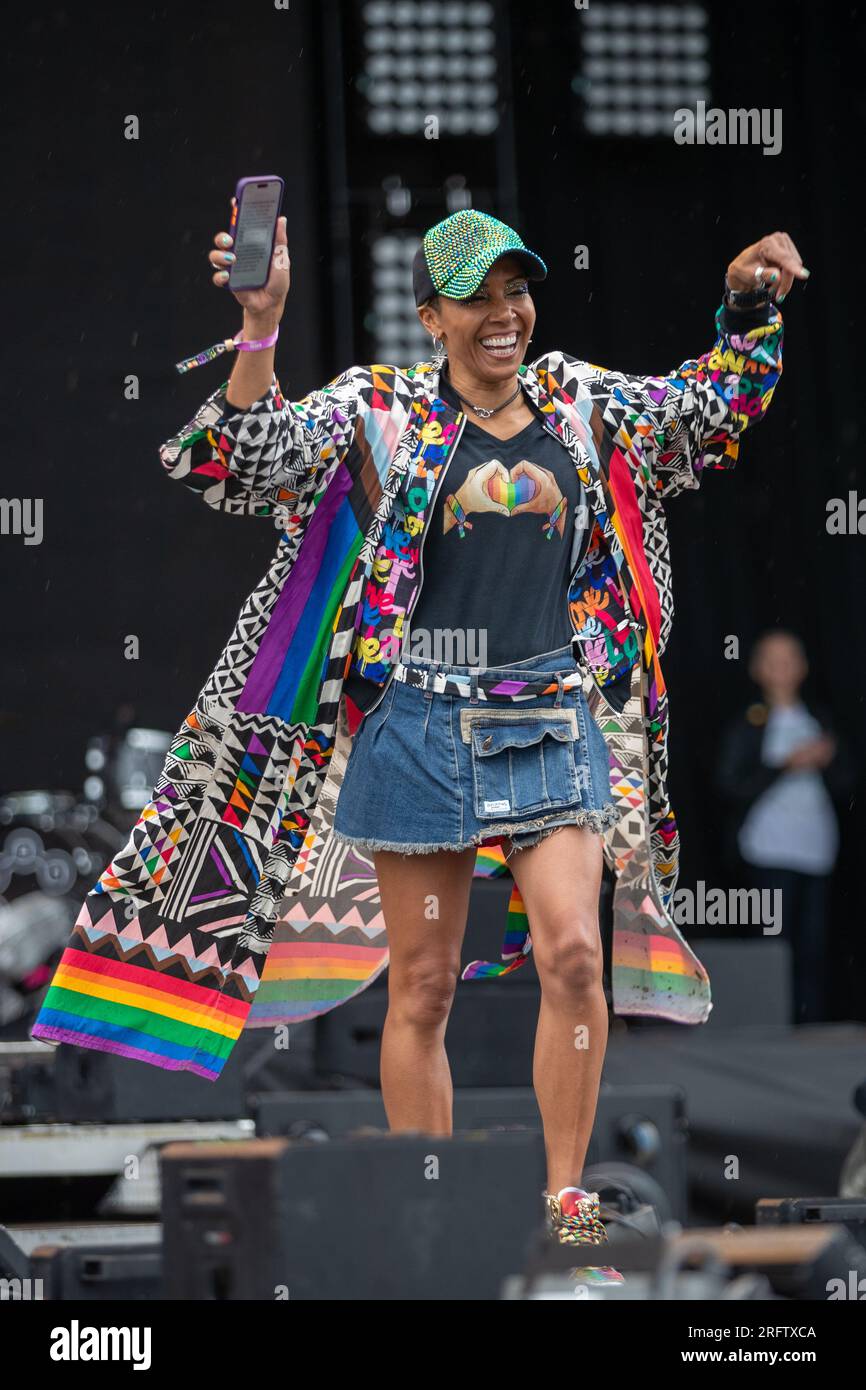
(106,276)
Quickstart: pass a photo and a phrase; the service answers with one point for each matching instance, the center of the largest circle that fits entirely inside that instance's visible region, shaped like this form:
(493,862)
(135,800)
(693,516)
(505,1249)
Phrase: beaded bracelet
(550,524)
(458,513)
(208,355)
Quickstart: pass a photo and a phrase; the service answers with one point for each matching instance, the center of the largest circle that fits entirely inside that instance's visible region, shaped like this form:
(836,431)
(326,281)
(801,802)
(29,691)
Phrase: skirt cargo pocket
(524,765)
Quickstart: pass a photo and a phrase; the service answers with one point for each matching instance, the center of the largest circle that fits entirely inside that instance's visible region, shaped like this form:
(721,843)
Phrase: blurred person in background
(785,773)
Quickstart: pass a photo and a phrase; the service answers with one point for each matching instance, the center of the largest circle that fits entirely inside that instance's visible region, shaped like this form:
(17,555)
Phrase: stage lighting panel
(639,64)
(422,60)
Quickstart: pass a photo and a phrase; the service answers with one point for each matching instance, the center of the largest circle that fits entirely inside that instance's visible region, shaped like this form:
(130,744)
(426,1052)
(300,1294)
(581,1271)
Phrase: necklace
(484,411)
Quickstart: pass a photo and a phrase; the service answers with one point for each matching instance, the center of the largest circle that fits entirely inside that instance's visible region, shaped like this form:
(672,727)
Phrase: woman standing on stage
(422,790)
(522,506)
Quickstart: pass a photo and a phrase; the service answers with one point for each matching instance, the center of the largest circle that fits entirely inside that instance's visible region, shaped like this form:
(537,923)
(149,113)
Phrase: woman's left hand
(773,261)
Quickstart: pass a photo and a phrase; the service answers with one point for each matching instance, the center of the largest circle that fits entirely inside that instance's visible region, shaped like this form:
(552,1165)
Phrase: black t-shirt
(500,549)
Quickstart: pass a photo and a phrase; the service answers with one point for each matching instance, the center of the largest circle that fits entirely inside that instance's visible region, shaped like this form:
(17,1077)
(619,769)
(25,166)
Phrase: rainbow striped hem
(114,1006)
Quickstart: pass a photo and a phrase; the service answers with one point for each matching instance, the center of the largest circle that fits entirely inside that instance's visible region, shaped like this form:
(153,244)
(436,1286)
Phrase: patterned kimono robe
(231,904)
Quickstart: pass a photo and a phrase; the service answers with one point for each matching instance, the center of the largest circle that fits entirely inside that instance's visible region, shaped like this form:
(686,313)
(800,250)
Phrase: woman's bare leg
(559,880)
(425,901)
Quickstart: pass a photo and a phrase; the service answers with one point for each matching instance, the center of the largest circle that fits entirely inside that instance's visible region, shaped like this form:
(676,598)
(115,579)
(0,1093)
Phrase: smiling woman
(498,316)
(486,336)
(534,495)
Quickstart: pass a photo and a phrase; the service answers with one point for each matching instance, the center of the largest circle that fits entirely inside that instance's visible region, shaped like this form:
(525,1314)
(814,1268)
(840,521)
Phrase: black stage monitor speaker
(369,1216)
(99,1273)
(800,1211)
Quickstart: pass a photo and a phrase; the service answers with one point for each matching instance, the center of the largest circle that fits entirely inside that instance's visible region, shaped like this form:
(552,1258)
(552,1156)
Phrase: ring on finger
(759,272)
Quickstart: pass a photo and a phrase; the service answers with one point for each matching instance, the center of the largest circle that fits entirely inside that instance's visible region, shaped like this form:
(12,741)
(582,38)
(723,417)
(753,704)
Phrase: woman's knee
(570,960)
(422,991)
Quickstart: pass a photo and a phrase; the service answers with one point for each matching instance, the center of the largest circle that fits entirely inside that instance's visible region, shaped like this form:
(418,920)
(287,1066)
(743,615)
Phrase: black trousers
(805,909)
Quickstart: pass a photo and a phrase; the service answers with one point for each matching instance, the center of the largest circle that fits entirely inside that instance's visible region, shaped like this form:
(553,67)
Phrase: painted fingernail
(229,256)
(779,298)
(225,239)
(222,275)
(774,276)
(804,272)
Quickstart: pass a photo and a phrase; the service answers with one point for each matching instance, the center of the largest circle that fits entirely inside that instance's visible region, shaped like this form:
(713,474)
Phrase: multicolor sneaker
(574,1220)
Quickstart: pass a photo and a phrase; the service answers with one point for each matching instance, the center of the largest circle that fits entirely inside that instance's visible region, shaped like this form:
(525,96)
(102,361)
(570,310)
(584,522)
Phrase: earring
(439,353)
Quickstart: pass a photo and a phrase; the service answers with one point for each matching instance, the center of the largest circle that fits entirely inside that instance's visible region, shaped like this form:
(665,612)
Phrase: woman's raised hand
(773,261)
(269,302)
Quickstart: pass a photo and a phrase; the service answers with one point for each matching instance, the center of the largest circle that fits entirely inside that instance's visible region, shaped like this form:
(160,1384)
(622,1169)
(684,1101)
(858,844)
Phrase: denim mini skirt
(431,769)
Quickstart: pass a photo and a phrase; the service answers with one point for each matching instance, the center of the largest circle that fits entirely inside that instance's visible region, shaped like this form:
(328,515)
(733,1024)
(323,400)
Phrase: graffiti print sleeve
(254,462)
(672,428)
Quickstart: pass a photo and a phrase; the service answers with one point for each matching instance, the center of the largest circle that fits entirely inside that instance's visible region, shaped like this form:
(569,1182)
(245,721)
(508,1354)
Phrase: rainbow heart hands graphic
(512,493)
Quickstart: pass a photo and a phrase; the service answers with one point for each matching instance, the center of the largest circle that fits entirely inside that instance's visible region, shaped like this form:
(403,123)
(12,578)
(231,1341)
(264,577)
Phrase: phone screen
(254,234)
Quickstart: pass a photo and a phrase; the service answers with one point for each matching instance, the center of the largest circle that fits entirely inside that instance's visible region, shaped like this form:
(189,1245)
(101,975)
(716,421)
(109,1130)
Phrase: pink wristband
(208,355)
(256,344)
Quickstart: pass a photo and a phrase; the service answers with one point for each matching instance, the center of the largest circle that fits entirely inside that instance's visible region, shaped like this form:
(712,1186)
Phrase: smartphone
(253,226)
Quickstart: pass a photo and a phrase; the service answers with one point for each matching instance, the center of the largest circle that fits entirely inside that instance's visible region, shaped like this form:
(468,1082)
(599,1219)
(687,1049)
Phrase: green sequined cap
(460,250)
